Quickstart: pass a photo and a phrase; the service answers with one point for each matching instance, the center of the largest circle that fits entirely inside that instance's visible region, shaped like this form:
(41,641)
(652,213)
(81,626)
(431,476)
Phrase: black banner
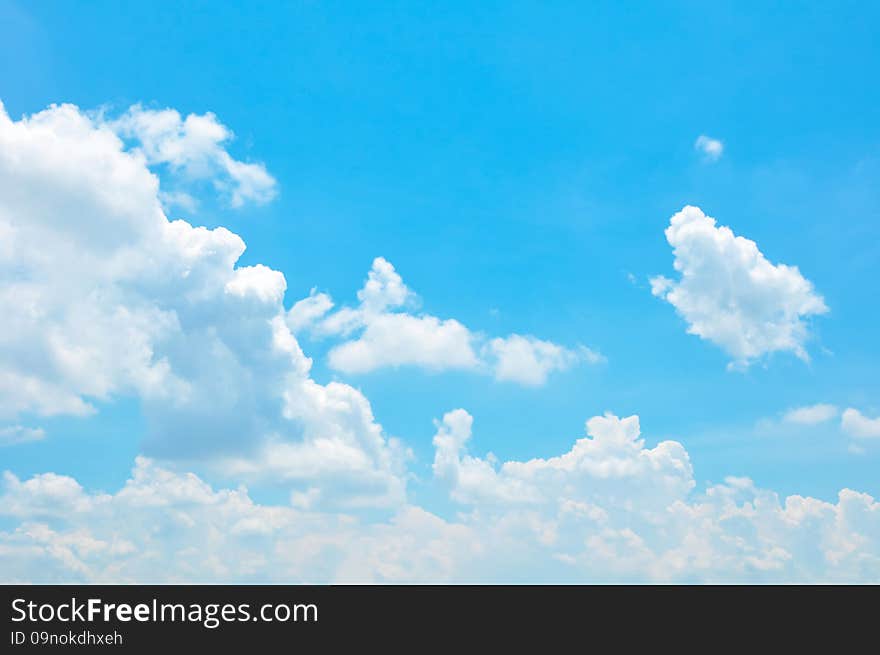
(412,618)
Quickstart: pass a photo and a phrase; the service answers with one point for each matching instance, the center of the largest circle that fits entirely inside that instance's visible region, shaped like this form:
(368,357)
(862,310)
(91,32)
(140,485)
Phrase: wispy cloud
(857,425)
(811,414)
(16,434)
(712,149)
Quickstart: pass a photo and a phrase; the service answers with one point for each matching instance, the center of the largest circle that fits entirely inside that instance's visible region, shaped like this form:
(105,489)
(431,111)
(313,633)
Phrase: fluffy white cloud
(711,149)
(857,425)
(195,146)
(731,295)
(388,338)
(811,414)
(610,464)
(80,221)
(259,282)
(103,296)
(169,527)
(610,509)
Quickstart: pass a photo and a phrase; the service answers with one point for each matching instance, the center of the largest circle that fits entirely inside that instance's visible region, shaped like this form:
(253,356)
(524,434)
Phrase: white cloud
(529,361)
(611,463)
(72,204)
(169,527)
(383,289)
(610,509)
(195,146)
(811,414)
(857,425)
(731,295)
(340,446)
(402,339)
(260,282)
(309,310)
(711,149)
(103,297)
(15,434)
(387,338)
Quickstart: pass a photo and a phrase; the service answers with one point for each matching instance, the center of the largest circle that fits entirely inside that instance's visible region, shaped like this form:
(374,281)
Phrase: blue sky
(518,164)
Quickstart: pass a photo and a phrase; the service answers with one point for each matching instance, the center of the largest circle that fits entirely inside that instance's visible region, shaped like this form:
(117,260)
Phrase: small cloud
(16,434)
(811,414)
(591,356)
(712,149)
(195,146)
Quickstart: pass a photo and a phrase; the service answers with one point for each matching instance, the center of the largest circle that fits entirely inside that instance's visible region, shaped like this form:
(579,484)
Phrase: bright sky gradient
(475,235)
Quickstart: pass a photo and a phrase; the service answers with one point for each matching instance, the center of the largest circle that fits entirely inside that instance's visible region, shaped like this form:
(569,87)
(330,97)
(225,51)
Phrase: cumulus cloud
(389,336)
(383,289)
(613,509)
(710,148)
(610,463)
(811,414)
(730,294)
(195,146)
(609,509)
(163,526)
(103,297)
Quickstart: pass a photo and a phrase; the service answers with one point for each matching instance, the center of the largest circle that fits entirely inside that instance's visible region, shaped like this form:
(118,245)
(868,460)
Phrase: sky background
(518,163)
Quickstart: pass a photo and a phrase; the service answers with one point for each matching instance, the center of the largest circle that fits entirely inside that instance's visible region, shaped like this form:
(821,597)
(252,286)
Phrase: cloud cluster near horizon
(610,509)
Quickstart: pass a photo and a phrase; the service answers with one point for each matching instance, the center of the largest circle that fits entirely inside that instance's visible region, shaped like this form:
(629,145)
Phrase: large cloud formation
(731,295)
(103,297)
(610,509)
